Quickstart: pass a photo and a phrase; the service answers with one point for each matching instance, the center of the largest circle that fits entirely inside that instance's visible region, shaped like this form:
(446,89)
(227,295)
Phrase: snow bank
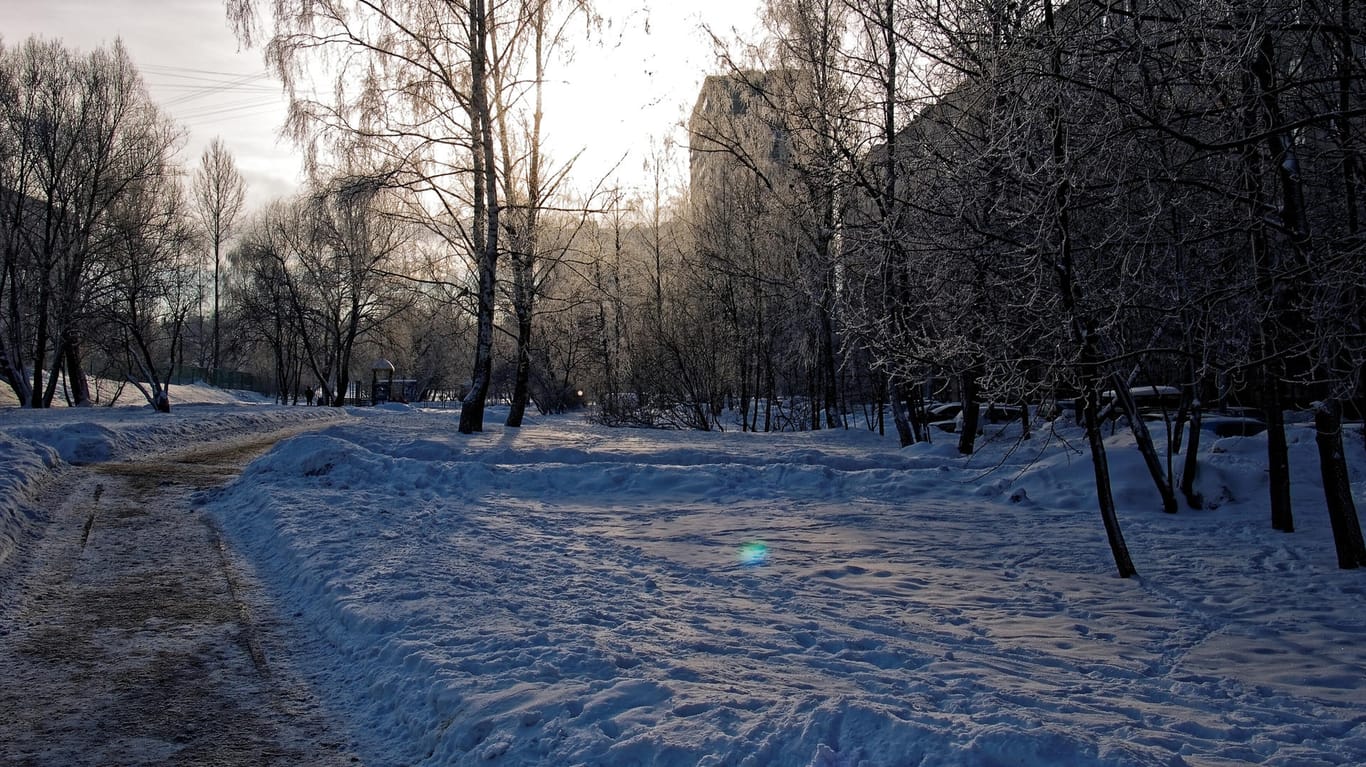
(34,443)
(568,594)
(130,397)
(21,464)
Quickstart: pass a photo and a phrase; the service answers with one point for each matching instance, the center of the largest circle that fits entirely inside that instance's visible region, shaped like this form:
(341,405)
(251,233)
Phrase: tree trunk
(1144,438)
(744,388)
(12,374)
(521,387)
(919,415)
(1183,415)
(880,414)
(40,345)
(771,393)
(217,266)
(1277,458)
(1337,486)
(896,394)
(1192,465)
(486,183)
(525,240)
(813,391)
(972,411)
(829,371)
(77,382)
(1104,494)
(1084,333)
(57,362)
(161,400)
(1257,78)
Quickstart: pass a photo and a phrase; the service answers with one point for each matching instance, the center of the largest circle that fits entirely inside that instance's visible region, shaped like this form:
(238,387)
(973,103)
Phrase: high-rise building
(738,142)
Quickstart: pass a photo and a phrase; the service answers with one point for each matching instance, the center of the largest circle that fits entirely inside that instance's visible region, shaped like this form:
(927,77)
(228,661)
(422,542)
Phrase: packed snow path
(572,595)
(131,635)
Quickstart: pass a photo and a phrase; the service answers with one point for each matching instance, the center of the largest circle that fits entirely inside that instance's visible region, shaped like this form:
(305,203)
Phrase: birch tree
(407,85)
(529,180)
(421,90)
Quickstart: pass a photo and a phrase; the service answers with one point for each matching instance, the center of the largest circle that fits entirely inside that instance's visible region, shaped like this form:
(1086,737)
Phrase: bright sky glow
(617,97)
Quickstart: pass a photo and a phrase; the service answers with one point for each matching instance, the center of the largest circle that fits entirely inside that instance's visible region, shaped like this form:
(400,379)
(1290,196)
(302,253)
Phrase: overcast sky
(617,95)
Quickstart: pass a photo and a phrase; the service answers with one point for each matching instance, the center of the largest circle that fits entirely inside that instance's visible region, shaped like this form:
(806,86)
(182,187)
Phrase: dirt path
(134,636)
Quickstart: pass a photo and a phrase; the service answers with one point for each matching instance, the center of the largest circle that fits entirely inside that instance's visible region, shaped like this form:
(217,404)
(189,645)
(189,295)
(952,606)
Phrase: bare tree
(262,296)
(437,83)
(817,113)
(150,287)
(423,117)
(319,270)
(80,133)
(219,192)
(528,184)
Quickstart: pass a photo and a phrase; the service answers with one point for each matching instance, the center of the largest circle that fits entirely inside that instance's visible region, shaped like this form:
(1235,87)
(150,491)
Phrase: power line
(210,98)
(189,88)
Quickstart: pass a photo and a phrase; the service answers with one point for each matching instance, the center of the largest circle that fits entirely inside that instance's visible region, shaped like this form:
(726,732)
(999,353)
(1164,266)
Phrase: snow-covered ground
(35,442)
(568,594)
(108,393)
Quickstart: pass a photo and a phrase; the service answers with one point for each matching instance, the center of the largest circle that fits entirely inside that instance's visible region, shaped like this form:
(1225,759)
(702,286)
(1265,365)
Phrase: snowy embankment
(35,443)
(568,594)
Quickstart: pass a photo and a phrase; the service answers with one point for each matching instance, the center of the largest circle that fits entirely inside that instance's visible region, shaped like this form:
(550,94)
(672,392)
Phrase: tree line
(1053,202)
(1031,203)
(102,259)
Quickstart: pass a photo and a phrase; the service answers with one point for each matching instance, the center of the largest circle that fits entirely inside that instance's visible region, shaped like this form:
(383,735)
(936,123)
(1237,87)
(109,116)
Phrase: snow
(34,443)
(127,396)
(571,594)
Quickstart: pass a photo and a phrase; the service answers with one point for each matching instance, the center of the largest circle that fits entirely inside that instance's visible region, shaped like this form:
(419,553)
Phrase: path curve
(133,635)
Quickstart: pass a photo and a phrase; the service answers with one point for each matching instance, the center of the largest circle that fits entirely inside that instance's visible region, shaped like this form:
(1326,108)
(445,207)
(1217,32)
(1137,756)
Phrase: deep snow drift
(569,594)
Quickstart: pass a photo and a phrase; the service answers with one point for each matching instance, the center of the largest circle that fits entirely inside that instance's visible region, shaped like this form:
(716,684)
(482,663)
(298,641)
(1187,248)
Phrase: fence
(223,379)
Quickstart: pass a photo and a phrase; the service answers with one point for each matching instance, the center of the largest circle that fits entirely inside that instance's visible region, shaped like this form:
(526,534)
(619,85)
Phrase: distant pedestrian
(308,393)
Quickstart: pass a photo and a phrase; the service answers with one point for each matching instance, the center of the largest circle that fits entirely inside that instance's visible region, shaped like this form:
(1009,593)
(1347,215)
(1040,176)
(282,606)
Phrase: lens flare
(754,553)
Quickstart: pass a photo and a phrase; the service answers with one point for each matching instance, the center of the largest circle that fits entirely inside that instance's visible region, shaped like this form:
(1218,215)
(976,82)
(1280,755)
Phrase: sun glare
(754,553)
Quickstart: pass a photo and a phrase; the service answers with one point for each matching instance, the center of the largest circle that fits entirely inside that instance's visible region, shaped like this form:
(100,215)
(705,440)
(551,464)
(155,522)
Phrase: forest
(1027,207)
